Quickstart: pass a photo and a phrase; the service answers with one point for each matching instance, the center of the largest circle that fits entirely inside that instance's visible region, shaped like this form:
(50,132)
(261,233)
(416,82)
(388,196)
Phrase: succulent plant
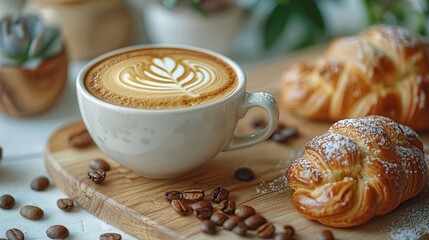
(25,41)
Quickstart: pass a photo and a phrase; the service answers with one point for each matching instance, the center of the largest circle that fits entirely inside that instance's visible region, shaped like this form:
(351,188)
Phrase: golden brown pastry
(359,169)
(382,71)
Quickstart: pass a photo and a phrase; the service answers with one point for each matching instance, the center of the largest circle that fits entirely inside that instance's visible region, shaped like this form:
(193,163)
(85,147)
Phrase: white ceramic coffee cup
(167,143)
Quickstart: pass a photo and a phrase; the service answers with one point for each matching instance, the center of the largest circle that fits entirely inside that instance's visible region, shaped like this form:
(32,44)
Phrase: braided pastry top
(382,71)
(359,169)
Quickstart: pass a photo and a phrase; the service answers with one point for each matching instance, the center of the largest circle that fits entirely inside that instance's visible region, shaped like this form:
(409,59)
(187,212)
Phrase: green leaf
(310,10)
(275,24)
(196,5)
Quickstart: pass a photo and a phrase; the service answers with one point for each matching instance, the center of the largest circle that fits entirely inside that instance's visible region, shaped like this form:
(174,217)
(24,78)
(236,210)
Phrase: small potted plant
(212,24)
(33,65)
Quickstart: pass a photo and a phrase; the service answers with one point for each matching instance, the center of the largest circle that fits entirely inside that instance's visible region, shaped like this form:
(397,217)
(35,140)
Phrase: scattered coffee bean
(208,227)
(240,229)
(7,201)
(244,211)
(227,206)
(266,230)
(219,194)
(202,204)
(283,236)
(203,213)
(254,221)
(231,222)
(98,163)
(40,183)
(14,234)
(326,235)
(219,218)
(31,212)
(289,229)
(97,176)
(80,139)
(244,174)
(282,134)
(180,206)
(173,195)
(57,232)
(258,122)
(110,236)
(193,195)
(65,204)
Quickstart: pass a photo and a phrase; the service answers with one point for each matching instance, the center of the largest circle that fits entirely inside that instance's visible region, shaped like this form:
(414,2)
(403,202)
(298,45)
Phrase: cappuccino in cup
(161,78)
(163,110)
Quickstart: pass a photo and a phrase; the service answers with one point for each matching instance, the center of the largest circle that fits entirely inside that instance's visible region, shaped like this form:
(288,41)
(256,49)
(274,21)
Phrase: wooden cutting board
(137,205)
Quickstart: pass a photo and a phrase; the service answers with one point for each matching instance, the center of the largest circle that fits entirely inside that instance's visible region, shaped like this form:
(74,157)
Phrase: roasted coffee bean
(258,122)
(266,230)
(110,236)
(173,195)
(80,139)
(289,229)
(31,212)
(180,206)
(97,176)
(193,195)
(231,222)
(219,194)
(244,174)
(202,204)
(14,234)
(282,134)
(98,163)
(203,213)
(227,206)
(326,235)
(244,211)
(7,201)
(65,204)
(208,227)
(283,236)
(57,232)
(40,183)
(254,221)
(240,229)
(219,218)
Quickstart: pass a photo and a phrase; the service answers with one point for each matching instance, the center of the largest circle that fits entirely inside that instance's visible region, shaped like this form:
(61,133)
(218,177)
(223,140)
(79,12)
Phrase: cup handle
(269,104)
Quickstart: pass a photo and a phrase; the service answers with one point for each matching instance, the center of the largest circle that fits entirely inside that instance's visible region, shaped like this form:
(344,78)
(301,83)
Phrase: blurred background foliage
(413,15)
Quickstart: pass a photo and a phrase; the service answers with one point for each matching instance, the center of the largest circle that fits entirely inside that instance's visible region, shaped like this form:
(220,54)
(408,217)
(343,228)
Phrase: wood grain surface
(137,205)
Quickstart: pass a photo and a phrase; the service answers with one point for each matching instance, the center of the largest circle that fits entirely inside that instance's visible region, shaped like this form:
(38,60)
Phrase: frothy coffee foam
(158,78)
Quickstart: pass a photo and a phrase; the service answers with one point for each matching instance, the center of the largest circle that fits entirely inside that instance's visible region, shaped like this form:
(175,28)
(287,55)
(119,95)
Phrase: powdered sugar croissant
(382,71)
(359,169)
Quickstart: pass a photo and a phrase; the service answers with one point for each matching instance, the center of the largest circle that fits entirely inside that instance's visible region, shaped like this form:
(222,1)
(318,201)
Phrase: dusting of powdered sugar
(411,223)
(280,183)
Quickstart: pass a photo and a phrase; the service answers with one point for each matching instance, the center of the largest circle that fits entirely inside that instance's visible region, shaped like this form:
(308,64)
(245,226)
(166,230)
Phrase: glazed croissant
(359,169)
(382,71)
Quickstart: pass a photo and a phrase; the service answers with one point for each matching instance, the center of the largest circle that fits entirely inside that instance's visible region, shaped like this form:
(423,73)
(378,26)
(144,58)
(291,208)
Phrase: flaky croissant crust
(359,169)
(382,71)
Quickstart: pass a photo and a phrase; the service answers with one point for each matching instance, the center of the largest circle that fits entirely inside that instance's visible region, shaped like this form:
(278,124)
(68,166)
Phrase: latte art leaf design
(167,75)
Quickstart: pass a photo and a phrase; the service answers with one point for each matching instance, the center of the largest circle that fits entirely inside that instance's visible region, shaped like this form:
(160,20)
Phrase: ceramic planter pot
(27,92)
(215,31)
(89,27)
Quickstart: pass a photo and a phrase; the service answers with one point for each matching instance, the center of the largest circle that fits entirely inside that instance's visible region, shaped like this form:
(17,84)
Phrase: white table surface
(23,141)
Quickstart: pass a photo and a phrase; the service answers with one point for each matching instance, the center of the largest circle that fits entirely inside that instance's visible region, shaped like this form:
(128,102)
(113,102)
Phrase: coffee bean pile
(282,134)
(99,168)
(238,219)
(35,213)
